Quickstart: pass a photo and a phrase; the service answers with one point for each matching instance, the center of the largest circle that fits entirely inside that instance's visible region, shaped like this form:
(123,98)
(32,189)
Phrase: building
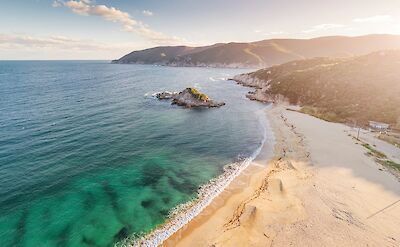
(378,125)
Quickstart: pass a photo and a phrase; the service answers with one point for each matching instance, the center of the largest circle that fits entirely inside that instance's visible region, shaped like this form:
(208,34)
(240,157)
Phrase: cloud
(87,8)
(14,41)
(374,19)
(27,46)
(57,4)
(147,13)
(323,27)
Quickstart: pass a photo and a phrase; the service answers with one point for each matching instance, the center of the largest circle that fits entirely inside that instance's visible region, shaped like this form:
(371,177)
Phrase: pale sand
(320,189)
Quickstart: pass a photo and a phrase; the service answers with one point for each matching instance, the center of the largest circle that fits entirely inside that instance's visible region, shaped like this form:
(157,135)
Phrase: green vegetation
(198,95)
(382,159)
(320,113)
(347,90)
(392,164)
(374,152)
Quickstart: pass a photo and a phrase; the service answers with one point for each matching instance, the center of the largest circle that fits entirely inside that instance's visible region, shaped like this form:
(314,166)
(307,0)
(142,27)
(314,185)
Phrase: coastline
(208,193)
(319,189)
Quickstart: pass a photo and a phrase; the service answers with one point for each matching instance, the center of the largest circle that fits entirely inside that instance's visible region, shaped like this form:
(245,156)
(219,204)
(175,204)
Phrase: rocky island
(190,97)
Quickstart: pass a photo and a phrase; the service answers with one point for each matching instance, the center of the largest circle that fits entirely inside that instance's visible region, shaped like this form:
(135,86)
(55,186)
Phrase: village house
(378,125)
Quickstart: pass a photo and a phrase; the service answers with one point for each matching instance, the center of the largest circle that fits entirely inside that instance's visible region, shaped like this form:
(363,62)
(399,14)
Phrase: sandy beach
(318,189)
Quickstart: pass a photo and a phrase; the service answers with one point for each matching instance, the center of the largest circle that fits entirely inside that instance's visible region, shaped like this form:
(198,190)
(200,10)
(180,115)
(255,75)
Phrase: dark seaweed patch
(88,241)
(147,203)
(186,187)
(63,237)
(21,228)
(133,182)
(164,212)
(151,174)
(122,234)
(166,200)
(112,195)
(89,201)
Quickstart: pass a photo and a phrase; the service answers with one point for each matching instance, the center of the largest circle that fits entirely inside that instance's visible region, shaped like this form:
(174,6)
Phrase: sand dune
(319,189)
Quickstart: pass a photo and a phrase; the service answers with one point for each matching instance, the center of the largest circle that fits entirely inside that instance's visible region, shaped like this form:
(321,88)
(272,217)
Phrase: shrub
(197,94)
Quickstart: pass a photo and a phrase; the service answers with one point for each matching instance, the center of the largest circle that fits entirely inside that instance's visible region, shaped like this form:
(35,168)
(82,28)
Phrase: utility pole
(358,131)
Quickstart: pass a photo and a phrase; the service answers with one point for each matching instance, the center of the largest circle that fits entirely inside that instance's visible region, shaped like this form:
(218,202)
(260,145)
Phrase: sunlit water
(88,158)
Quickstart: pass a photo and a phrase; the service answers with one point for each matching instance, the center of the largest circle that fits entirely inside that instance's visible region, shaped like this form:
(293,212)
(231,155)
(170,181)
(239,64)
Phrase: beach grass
(382,159)
(321,114)
(374,152)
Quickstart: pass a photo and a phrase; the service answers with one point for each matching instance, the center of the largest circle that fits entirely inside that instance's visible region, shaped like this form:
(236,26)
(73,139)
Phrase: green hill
(356,89)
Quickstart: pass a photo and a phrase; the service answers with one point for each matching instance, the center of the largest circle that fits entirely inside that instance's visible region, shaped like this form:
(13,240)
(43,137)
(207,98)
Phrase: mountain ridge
(263,53)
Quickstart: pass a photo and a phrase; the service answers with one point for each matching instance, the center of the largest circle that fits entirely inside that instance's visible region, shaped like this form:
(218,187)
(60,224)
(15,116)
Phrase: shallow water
(87,157)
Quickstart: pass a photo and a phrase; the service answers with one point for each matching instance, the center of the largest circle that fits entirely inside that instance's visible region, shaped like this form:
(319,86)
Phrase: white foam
(197,85)
(184,213)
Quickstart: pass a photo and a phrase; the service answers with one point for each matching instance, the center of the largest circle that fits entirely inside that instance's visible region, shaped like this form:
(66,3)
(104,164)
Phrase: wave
(184,213)
(217,79)
(154,95)
(197,86)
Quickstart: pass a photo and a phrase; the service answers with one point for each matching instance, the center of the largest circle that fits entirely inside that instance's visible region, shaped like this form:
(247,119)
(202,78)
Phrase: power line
(383,209)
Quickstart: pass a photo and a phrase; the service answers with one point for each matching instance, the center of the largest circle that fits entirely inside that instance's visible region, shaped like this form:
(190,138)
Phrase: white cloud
(14,41)
(27,46)
(323,27)
(56,3)
(147,13)
(374,19)
(87,8)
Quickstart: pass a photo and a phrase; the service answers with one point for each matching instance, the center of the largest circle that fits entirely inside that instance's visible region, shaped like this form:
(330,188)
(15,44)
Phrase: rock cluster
(190,97)
(166,95)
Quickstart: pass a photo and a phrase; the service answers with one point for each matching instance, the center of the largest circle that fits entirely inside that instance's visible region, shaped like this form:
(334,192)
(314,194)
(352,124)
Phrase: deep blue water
(86,158)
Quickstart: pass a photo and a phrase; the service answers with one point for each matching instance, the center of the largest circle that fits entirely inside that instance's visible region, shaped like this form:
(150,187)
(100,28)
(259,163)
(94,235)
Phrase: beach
(136,156)
(317,188)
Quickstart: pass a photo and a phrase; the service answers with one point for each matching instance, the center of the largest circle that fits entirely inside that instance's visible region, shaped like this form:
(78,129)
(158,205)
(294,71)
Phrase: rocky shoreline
(259,93)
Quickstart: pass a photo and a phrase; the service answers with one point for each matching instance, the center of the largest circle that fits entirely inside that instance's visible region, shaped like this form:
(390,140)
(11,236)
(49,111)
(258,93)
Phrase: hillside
(262,53)
(356,89)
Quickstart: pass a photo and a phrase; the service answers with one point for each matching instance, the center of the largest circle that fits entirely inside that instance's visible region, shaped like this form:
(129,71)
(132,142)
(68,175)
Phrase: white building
(379,125)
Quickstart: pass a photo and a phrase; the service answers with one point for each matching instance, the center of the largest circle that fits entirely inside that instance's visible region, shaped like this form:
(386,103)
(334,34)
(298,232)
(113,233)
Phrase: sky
(98,29)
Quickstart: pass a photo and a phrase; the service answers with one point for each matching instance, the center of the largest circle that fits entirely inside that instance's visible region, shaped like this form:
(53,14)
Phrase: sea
(88,157)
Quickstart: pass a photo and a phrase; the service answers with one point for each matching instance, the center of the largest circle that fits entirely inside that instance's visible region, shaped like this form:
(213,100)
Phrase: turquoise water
(88,158)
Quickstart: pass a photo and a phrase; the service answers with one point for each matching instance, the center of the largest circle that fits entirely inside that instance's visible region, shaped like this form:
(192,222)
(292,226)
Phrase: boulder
(166,95)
